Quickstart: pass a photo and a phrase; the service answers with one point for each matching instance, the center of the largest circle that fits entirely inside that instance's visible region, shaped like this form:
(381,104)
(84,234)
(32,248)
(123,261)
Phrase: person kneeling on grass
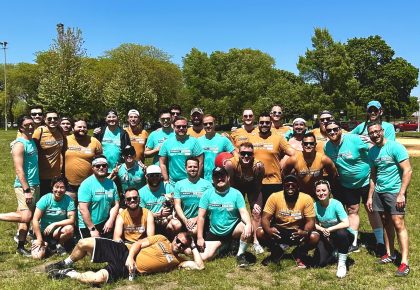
(150,255)
(53,222)
(332,224)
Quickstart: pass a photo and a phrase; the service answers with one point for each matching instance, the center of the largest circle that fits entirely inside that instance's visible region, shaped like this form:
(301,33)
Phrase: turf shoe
(258,249)
(300,264)
(56,266)
(354,249)
(341,271)
(59,273)
(23,252)
(242,261)
(402,270)
(385,259)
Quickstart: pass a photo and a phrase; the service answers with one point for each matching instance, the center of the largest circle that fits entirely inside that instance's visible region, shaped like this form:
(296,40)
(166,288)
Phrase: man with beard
(81,148)
(268,148)
(241,135)
(134,222)
(320,133)
(175,111)
(37,114)
(212,143)
(66,126)
(187,195)
(309,165)
(50,142)
(150,255)
(138,136)
(175,151)
(197,129)
(157,197)
(246,174)
(113,139)
(350,156)
(295,136)
(288,220)
(277,127)
(98,202)
(390,177)
(228,219)
(157,137)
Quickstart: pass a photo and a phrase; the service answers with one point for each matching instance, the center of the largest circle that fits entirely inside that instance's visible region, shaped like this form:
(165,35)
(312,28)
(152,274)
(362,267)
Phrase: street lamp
(418,115)
(3,46)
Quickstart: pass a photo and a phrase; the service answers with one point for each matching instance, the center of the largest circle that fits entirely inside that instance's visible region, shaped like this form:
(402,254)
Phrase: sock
(242,247)
(355,237)
(68,261)
(342,258)
(379,235)
(21,244)
(73,274)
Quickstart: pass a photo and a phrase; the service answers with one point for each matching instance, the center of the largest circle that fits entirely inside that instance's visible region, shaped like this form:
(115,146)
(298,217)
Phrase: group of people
(94,195)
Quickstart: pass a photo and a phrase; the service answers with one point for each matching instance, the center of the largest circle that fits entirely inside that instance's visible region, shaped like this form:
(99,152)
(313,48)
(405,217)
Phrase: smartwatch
(92,229)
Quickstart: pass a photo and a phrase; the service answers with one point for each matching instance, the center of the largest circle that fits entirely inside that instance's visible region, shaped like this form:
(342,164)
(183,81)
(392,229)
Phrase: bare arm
(372,181)
(150,224)
(35,224)
(164,168)
(341,225)
(18,159)
(329,167)
(130,263)
(149,152)
(201,164)
(288,166)
(405,181)
(118,229)
(290,151)
(112,216)
(247,221)
(200,229)
(197,264)
(179,211)
(87,219)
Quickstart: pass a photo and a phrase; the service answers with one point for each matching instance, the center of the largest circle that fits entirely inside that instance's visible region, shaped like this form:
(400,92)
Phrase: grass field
(17,272)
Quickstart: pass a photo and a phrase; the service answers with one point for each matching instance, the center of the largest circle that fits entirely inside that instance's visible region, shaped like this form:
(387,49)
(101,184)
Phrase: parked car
(349,125)
(406,126)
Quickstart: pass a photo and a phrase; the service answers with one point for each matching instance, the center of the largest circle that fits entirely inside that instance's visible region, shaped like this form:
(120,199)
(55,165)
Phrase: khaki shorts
(20,196)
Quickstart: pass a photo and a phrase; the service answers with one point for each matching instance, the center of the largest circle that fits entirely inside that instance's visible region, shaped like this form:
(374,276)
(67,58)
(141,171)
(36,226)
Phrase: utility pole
(4,45)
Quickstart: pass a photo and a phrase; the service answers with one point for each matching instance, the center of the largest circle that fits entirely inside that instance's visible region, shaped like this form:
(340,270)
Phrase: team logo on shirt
(52,211)
(212,149)
(186,152)
(290,214)
(384,159)
(314,173)
(134,229)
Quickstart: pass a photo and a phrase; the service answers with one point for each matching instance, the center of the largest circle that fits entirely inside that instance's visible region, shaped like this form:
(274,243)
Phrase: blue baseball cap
(375,104)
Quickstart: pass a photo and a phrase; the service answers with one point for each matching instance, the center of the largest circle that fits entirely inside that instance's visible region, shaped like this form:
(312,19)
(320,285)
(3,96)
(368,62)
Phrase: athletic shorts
(286,237)
(20,196)
(85,232)
(387,202)
(351,196)
(225,239)
(113,253)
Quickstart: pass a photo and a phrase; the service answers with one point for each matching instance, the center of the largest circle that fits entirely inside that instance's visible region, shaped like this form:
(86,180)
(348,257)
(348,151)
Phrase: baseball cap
(219,171)
(129,150)
(290,178)
(112,112)
(153,169)
(375,104)
(300,120)
(197,110)
(133,112)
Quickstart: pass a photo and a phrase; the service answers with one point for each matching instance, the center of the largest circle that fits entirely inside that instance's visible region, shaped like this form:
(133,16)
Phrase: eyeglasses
(100,165)
(246,153)
(335,130)
(276,112)
(37,114)
(175,113)
(153,175)
(248,116)
(179,242)
(265,122)
(181,126)
(376,132)
(165,119)
(132,198)
(308,143)
(208,124)
(49,119)
(325,120)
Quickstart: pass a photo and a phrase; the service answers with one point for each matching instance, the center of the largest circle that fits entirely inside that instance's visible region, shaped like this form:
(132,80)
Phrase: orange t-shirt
(307,176)
(134,230)
(281,130)
(138,141)
(157,257)
(290,217)
(49,155)
(320,140)
(79,156)
(240,136)
(194,134)
(268,151)
(241,178)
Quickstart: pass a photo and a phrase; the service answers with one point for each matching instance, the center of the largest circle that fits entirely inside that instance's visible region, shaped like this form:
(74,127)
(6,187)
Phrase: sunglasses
(132,198)
(246,154)
(265,122)
(324,120)
(100,165)
(52,119)
(335,130)
(153,175)
(373,110)
(308,143)
(37,114)
(175,113)
(248,116)
(276,112)
(179,242)
(181,126)
(208,124)
(165,119)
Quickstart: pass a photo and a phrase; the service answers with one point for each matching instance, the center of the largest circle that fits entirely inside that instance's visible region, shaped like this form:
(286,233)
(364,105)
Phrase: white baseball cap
(153,169)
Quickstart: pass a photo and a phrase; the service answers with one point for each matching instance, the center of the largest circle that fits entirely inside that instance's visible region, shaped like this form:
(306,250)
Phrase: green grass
(17,272)
(410,134)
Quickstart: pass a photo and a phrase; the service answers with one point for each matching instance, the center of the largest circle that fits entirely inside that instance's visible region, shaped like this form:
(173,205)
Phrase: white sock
(68,261)
(73,274)
(243,246)
(355,237)
(342,258)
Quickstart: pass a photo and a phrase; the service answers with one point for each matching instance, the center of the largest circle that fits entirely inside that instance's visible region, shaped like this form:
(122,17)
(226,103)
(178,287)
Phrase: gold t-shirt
(240,136)
(308,175)
(134,230)
(194,134)
(138,141)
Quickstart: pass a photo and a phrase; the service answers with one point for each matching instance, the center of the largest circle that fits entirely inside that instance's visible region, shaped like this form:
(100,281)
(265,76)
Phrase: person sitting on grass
(150,255)
(53,222)
(332,223)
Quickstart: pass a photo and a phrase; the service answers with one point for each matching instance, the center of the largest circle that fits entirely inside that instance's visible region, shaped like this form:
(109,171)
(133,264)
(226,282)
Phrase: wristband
(27,190)
(92,229)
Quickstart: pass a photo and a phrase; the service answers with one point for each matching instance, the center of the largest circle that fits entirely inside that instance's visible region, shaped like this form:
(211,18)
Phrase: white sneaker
(341,271)
(258,249)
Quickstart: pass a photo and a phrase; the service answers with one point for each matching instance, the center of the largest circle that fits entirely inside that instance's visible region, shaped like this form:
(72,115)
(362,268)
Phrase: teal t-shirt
(101,197)
(223,209)
(153,200)
(190,193)
(132,178)
(156,139)
(389,130)
(54,211)
(211,148)
(111,146)
(288,135)
(330,216)
(386,159)
(177,153)
(30,162)
(350,158)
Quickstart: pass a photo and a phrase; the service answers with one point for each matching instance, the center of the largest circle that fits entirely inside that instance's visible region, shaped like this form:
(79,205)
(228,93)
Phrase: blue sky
(282,29)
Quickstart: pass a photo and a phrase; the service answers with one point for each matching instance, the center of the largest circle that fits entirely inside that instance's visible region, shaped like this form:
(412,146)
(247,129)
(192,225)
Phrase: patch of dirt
(412,145)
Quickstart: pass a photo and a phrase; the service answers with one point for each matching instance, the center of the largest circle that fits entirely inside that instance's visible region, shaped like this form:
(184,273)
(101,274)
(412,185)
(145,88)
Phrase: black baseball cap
(129,150)
(219,171)
(290,178)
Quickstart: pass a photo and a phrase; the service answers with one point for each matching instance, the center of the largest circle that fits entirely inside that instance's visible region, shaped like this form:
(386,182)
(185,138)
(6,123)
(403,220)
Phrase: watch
(92,229)
(27,190)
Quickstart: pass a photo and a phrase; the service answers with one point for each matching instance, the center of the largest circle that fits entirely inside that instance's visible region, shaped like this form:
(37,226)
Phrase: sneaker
(300,264)
(23,252)
(242,261)
(31,235)
(258,249)
(341,271)
(403,270)
(60,251)
(354,249)
(16,238)
(273,258)
(385,259)
(59,273)
(56,266)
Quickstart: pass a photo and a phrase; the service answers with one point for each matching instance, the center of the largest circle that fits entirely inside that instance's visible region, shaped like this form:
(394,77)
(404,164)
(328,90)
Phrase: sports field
(17,272)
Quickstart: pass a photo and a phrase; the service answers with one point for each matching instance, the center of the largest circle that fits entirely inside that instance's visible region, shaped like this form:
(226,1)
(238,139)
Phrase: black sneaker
(56,266)
(380,250)
(354,249)
(23,252)
(59,273)
(242,261)
(273,258)
(60,251)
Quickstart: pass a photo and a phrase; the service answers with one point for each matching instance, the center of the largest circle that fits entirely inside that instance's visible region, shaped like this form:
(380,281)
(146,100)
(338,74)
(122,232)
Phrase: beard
(291,198)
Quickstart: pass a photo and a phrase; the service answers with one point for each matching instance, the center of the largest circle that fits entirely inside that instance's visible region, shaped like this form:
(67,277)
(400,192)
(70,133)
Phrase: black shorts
(351,196)
(286,237)
(113,253)
(225,239)
(85,232)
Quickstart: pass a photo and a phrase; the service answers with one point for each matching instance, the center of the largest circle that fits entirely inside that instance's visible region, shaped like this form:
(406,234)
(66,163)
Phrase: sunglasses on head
(52,119)
(100,165)
(37,114)
(132,198)
(335,130)
(246,153)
